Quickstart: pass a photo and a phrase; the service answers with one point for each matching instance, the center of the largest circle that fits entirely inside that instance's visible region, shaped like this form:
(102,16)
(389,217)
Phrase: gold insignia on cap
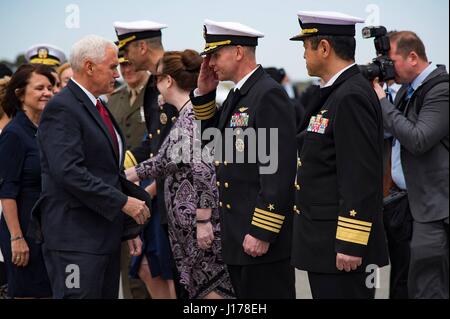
(213,45)
(309,31)
(42,53)
(125,41)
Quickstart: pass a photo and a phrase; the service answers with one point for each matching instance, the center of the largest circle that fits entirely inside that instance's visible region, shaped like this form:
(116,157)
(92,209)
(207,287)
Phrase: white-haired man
(86,204)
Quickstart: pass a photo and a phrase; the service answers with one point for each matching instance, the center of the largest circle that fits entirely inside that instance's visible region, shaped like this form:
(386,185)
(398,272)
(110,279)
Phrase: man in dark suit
(419,124)
(84,207)
(256,194)
(338,231)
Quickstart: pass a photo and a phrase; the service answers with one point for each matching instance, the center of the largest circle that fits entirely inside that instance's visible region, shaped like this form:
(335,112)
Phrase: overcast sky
(62,22)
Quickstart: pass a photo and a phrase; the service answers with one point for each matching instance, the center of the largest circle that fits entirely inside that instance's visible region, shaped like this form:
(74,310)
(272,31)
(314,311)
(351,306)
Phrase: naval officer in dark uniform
(256,195)
(338,235)
(141,42)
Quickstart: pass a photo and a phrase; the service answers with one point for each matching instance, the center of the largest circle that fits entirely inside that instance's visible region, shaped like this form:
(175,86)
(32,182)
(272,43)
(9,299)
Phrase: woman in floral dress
(190,190)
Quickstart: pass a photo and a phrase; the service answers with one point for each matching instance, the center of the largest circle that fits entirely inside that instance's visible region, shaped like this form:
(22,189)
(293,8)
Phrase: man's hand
(135,246)
(151,189)
(378,89)
(207,79)
(255,247)
(137,210)
(347,263)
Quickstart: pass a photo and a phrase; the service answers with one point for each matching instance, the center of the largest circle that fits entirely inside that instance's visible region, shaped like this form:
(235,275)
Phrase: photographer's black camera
(381,67)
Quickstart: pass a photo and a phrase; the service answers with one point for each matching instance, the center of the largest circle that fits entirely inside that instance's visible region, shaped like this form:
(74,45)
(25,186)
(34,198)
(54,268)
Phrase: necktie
(234,97)
(404,103)
(133,96)
(389,95)
(409,92)
(107,120)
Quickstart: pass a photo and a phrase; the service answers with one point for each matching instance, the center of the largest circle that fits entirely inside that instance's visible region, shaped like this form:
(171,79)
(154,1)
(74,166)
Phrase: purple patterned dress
(189,185)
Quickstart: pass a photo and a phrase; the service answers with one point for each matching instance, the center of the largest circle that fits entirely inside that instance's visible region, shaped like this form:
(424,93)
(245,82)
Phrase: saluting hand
(207,79)
(137,210)
(347,263)
(255,247)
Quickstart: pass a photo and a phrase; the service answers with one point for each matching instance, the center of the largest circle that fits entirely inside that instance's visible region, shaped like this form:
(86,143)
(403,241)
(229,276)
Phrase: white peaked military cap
(325,23)
(128,32)
(45,54)
(219,34)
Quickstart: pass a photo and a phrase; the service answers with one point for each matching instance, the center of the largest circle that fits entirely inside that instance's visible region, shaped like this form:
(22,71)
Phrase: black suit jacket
(254,203)
(82,179)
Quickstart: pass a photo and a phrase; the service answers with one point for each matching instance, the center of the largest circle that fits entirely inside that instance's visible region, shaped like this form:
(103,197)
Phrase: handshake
(137,209)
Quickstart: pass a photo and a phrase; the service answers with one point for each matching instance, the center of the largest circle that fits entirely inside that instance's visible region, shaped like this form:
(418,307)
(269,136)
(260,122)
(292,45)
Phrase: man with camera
(338,232)
(419,124)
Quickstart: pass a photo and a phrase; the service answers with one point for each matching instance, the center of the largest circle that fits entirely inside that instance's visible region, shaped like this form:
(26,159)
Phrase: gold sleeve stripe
(206,117)
(130,160)
(203,113)
(265,227)
(354,221)
(262,221)
(353,236)
(205,106)
(269,218)
(280,217)
(354,226)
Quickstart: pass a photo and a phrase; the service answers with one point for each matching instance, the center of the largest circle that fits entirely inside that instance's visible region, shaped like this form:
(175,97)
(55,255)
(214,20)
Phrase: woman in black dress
(27,94)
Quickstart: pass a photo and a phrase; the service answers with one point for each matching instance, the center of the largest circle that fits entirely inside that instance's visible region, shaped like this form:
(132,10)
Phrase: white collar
(241,83)
(89,94)
(336,76)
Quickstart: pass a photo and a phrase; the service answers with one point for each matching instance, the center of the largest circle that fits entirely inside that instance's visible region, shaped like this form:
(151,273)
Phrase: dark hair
(344,46)
(276,74)
(183,67)
(4,70)
(407,42)
(11,102)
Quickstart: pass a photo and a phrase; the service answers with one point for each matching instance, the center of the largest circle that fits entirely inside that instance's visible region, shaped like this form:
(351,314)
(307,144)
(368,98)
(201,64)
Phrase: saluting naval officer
(256,205)
(338,228)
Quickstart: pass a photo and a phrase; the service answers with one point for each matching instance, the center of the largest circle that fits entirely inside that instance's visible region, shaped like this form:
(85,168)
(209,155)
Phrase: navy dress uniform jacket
(83,186)
(254,203)
(339,180)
